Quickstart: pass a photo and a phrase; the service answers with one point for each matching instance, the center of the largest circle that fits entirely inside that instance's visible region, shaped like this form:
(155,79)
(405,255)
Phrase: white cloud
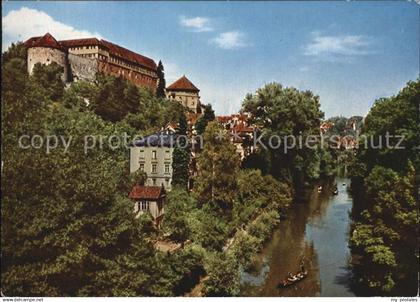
(230,40)
(197,24)
(19,25)
(338,46)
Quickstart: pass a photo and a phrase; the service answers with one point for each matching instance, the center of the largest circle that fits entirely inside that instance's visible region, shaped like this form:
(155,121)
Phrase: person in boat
(291,278)
(302,267)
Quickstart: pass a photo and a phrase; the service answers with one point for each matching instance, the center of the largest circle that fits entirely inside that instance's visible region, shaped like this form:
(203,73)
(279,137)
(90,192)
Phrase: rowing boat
(294,279)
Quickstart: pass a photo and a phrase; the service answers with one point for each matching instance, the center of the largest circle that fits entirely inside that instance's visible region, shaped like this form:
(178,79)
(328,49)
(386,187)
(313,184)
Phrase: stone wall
(46,55)
(83,68)
(190,100)
(133,76)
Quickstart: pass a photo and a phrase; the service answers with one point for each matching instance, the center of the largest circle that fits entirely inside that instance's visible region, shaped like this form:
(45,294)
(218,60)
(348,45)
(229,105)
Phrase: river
(316,230)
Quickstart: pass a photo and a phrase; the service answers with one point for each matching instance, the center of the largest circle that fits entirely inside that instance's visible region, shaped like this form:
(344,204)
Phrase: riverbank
(316,231)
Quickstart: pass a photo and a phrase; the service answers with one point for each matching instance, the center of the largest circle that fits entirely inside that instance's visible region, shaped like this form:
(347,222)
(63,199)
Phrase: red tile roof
(80,42)
(183,84)
(147,192)
(129,55)
(223,118)
(45,41)
(193,117)
(242,128)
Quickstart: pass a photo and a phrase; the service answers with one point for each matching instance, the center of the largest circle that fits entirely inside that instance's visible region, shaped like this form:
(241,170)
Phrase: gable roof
(80,42)
(183,84)
(122,52)
(45,41)
(147,192)
(159,139)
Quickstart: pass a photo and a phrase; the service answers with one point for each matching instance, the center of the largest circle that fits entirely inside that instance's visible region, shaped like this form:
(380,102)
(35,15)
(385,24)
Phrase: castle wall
(190,100)
(46,55)
(83,68)
(86,68)
(134,77)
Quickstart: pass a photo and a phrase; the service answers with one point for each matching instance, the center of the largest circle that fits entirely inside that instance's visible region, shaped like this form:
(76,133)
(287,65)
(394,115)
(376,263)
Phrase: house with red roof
(149,200)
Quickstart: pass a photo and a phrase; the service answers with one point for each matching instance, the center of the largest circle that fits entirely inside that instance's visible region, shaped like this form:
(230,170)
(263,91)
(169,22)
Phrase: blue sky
(348,53)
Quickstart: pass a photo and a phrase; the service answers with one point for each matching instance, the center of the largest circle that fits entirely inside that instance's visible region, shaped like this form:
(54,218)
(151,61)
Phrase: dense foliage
(283,113)
(181,156)
(208,116)
(385,214)
(67,226)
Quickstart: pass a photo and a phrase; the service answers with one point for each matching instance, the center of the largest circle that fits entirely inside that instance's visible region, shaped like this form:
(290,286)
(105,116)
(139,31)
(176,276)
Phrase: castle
(83,59)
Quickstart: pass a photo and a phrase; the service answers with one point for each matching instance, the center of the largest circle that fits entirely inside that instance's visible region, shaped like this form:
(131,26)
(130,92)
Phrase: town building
(153,155)
(149,199)
(186,93)
(241,132)
(83,59)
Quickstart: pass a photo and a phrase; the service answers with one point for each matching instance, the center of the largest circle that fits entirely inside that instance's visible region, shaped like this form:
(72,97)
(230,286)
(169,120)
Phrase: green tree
(219,164)
(287,112)
(50,78)
(181,156)
(176,214)
(383,185)
(160,91)
(208,116)
(223,277)
(67,225)
(180,166)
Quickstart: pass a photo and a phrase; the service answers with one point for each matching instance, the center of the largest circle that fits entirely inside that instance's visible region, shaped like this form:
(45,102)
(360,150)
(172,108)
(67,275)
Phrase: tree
(208,116)
(223,277)
(180,166)
(160,91)
(208,228)
(383,185)
(50,78)
(286,112)
(182,125)
(219,164)
(15,51)
(67,225)
(176,222)
(181,156)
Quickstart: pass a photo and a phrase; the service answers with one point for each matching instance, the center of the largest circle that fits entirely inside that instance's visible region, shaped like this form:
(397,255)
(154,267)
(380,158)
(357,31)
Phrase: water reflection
(316,231)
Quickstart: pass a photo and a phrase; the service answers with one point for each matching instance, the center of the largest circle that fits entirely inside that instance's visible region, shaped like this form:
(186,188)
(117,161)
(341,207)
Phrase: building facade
(149,200)
(186,93)
(241,132)
(83,59)
(153,155)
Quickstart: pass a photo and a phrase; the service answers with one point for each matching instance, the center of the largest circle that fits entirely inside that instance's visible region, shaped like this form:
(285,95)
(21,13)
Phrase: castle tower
(184,92)
(46,50)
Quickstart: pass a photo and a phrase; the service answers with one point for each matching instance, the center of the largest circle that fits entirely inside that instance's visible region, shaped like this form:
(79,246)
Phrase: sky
(348,53)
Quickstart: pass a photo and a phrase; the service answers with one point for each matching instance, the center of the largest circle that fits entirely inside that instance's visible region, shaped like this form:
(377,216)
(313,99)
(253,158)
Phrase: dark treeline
(385,212)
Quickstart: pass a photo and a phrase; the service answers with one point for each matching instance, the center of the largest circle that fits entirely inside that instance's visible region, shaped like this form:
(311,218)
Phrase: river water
(317,231)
